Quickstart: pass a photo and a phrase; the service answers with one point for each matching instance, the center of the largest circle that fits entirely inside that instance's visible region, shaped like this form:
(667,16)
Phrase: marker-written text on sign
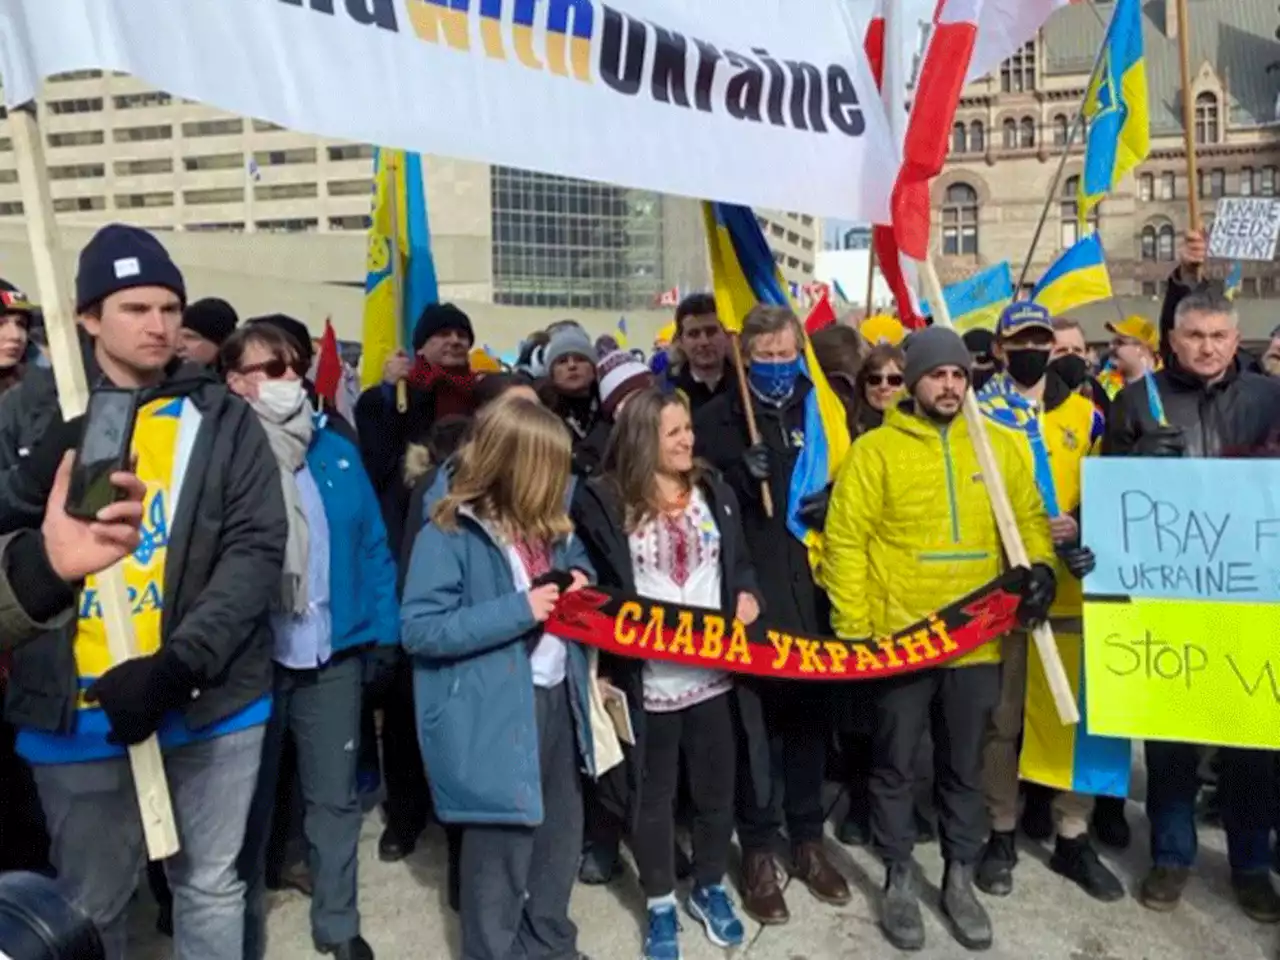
(1186,530)
(1245,228)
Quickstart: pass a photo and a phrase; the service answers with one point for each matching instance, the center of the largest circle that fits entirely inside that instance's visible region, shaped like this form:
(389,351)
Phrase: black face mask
(981,375)
(1026,366)
(1072,369)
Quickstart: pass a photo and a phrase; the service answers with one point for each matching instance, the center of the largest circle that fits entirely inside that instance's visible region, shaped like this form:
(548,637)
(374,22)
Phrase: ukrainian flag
(1077,277)
(976,302)
(744,274)
(1116,108)
(399,260)
(1234,279)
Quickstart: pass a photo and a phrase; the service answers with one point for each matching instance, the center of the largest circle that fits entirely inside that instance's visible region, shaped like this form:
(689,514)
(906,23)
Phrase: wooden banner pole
(1046,645)
(392,180)
(871,276)
(154,805)
(1188,126)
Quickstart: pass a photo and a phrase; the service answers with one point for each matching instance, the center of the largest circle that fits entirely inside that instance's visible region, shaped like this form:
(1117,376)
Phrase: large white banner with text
(763,102)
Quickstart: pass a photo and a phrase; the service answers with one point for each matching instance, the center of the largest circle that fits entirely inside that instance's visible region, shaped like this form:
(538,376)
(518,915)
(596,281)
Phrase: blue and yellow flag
(1077,277)
(744,274)
(976,302)
(1234,279)
(399,259)
(1115,107)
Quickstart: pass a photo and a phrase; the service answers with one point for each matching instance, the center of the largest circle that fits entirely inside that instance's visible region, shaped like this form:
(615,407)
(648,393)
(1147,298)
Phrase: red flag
(822,315)
(328,366)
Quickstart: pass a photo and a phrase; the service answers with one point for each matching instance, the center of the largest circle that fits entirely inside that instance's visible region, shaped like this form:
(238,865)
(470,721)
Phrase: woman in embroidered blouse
(658,524)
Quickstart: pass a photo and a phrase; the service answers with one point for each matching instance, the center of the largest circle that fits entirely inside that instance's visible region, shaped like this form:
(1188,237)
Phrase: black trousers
(408,796)
(798,721)
(955,704)
(24,842)
(704,734)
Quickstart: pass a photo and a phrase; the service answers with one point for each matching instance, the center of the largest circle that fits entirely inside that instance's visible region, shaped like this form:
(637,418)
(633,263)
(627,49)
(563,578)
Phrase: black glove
(1037,595)
(1161,442)
(812,510)
(1079,560)
(756,460)
(136,695)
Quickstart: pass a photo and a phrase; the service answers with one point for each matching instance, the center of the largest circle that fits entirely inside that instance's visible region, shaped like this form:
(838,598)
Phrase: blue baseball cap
(1020,317)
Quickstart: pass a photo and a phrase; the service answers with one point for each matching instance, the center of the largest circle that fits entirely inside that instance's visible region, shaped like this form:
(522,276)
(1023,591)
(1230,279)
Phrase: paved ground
(405,916)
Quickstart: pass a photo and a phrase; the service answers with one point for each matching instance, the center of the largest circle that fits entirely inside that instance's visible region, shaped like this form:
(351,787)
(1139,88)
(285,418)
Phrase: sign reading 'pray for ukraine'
(748,101)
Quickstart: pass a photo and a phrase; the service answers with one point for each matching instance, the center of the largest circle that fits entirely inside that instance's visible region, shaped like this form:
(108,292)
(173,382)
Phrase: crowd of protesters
(319,602)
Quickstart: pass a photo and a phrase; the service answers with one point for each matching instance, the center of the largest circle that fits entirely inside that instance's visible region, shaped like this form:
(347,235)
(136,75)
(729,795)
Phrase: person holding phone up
(206,568)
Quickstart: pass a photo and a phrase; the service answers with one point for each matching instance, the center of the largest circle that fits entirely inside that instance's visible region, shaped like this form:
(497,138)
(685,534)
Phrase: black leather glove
(812,510)
(1079,560)
(1161,442)
(1037,595)
(756,460)
(136,695)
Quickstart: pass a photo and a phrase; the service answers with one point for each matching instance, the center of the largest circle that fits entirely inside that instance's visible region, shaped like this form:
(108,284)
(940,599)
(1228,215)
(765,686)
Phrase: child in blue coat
(502,705)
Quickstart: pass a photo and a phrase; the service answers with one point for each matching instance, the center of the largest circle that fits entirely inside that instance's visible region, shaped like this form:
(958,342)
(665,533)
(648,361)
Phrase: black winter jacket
(222,571)
(597,514)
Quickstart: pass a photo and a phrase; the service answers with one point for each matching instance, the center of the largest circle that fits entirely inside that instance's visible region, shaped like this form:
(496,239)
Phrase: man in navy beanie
(202,581)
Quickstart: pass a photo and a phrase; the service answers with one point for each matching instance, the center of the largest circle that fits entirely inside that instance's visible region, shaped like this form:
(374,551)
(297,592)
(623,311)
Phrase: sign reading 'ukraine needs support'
(1182,639)
(747,101)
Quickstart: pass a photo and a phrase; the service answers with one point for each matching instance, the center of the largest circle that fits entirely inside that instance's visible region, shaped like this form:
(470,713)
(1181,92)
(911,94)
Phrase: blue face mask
(774,379)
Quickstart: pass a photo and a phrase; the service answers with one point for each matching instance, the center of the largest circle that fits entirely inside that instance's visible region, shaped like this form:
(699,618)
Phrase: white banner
(763,102)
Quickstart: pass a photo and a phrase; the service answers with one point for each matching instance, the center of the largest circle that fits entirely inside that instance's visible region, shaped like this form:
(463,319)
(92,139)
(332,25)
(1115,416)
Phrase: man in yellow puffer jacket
(909,529)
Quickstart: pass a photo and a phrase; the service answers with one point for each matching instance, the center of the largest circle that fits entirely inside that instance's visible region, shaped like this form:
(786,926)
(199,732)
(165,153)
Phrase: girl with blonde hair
(502,705)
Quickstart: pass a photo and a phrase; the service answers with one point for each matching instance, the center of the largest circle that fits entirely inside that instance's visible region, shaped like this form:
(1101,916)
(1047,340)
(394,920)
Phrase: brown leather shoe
(810,864)
(762,898)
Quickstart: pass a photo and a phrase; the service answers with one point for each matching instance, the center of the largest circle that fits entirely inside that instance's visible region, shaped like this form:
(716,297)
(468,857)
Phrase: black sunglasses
(275,368)
(892,379)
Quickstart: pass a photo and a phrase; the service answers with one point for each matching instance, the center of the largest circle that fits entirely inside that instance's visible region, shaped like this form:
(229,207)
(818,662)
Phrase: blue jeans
(98,848)
(1247,793)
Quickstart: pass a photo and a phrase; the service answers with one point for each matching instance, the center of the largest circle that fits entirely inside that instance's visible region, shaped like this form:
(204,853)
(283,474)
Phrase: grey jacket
(222,571)
(16,624)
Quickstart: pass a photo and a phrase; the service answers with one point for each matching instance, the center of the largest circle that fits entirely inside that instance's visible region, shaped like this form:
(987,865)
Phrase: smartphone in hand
(106,443)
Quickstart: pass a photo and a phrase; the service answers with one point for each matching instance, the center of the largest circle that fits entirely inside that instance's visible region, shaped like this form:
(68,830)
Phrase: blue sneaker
(662,942)
(712,908)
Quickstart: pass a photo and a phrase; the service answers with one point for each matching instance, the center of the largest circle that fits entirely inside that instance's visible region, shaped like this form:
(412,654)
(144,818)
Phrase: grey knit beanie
(566,341)
(931,348)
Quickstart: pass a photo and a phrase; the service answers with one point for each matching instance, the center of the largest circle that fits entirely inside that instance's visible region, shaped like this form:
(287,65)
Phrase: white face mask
(279,400)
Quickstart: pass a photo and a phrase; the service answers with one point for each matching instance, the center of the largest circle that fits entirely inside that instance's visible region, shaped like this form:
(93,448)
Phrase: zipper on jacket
(951,485)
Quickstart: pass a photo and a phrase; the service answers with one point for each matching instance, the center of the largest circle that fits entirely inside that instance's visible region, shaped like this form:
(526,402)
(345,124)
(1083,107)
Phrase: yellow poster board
(1184,670)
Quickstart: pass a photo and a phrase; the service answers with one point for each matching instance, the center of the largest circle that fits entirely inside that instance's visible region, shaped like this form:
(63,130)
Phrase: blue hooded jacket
(465,625)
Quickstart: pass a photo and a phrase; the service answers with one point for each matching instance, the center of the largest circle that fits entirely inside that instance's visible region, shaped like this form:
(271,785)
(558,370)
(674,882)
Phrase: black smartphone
(106,442)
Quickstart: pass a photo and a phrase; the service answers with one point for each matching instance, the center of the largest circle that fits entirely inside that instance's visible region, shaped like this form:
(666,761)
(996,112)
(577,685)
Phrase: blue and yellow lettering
(522,31)
(155,530)
(576,36)
(90,607)
(491,29)
(434,19)
(149,599)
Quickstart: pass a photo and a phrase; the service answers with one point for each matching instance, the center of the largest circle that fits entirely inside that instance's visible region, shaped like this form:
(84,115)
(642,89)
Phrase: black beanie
(213,319)
(120,257)
(438,317)
(295,330)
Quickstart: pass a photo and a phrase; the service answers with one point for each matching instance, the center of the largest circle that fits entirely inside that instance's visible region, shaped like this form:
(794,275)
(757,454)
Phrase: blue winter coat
(362,572)
(466,627)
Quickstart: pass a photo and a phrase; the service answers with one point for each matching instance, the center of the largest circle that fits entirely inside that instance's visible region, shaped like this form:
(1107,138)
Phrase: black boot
(599,862)
(900,918)
(995,870)
(969,921)
(855,828)
(1076,860)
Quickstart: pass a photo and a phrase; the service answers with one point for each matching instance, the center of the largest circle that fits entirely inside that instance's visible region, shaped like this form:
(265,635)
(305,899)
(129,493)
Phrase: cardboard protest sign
(1245,228)
(1182,640)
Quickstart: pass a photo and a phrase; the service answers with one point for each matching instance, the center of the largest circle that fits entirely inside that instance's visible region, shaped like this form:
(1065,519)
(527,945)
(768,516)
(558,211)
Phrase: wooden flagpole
(1046,645)
(871,274)
(1188,126)
(154,805)
(392,181)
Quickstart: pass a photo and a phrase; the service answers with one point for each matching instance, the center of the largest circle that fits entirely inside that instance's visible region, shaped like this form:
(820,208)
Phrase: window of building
(777,230)
(6,145)
(1164,243)
(793,263)
(959,138)
(212,195)
(286,191)
(160,131)
(960,220)
(977,137)
(131,201)
(8,176)
(1146,187)
(1217,182)
(351,151)
(350,222)
(226,226)
(350,188)
(212,128)
(138,168)
(1027,133)
(1061,130)
(1018,73)
(806,220)
(1168,185)
(280,158)
(1149,288)
(1268,286)
(79,204)
(1249,286)
(806,244)
(78,171)
(1009,133)
(75,75)
(290,225)
(1268,185)
(1207,130)
(793,237)
(77,138)
(265,126)
(1246,181)
(1148,243)
(806,267)
(1069,213)
(77,105)
(214,161)
(135,101)
(12,208)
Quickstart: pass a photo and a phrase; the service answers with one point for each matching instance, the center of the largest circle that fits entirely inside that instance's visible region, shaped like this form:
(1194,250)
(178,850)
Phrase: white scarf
(285,413)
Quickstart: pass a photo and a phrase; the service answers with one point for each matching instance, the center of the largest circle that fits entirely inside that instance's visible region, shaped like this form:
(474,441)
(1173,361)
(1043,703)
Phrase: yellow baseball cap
(1139,328)
(883,328)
